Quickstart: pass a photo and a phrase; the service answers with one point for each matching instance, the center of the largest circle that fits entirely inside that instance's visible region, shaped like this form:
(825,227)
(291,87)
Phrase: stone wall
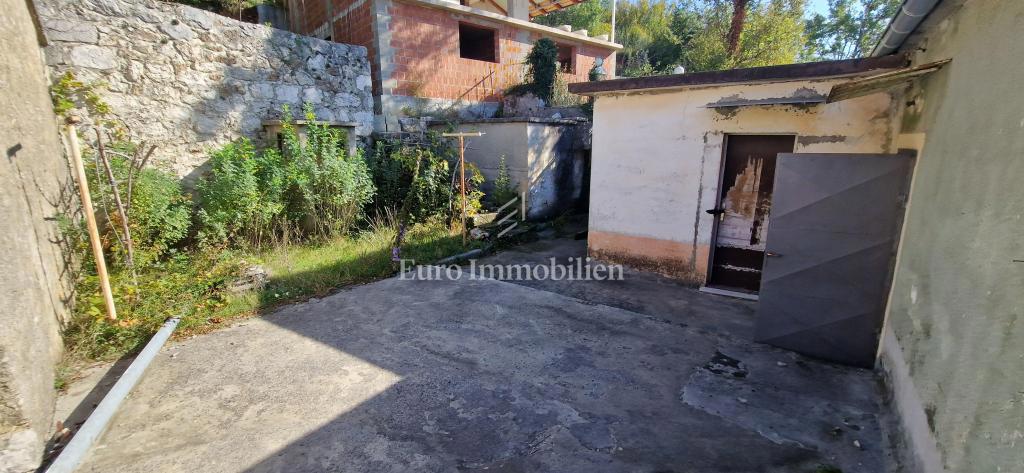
(189,80)
(34,190)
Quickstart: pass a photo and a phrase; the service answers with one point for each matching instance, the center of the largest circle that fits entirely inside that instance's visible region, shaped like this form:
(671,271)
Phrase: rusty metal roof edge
(767,101)
(874,83)
(786,72)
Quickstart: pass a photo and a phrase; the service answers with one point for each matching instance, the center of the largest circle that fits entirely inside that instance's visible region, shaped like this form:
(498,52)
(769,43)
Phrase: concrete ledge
(526,25)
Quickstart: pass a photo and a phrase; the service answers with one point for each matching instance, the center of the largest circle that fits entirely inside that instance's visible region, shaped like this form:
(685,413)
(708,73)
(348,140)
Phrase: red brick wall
(425,49)
(425,42)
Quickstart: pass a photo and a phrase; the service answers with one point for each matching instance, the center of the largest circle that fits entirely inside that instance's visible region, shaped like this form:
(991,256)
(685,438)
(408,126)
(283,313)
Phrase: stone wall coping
(307,122)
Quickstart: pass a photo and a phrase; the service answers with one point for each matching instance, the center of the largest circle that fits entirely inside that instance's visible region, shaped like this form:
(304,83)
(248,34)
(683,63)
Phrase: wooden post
(90,217)
(462,172)
(462,185)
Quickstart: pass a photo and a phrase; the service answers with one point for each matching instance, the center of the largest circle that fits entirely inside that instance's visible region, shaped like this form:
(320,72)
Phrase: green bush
(241,196)
(542,69)
(420,178)
(418,173)
(159,212)
(325,190)
(186,285)
(309,190)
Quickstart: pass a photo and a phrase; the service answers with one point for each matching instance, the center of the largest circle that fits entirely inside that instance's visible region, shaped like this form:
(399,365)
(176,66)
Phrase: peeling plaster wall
(657,157)
(953,347)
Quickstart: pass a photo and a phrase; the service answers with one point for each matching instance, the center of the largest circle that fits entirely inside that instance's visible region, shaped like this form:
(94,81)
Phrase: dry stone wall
(189,80)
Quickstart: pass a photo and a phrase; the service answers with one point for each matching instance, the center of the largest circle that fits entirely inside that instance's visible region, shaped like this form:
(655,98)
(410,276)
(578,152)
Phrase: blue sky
(816,6)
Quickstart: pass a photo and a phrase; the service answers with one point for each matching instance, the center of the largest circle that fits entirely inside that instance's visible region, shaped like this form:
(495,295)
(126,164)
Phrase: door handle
(715,211)
(772,255)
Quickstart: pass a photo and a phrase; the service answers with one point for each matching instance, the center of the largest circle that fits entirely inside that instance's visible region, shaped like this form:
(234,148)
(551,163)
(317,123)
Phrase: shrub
(415,176)
(542,68)
(419,179)
(241,195)
(325,190)
(504,189)
(159,212)
(309,190)
(186,285)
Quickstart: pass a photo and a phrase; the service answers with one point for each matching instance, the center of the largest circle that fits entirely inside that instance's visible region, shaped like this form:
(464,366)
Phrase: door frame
(719,197)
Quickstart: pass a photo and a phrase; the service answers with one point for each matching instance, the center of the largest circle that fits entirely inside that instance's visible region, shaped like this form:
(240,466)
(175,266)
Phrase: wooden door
(743,210)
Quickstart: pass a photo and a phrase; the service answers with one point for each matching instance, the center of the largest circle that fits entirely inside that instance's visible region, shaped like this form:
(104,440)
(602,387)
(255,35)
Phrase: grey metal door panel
(834,228)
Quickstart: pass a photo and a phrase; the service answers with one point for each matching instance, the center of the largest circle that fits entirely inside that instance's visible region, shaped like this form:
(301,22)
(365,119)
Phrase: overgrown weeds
(309,213)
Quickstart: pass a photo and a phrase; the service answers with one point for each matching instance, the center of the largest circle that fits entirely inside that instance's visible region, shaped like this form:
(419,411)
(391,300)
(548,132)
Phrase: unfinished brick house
(443,55)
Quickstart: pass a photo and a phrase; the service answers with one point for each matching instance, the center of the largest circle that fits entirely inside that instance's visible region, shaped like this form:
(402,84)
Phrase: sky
(816,6)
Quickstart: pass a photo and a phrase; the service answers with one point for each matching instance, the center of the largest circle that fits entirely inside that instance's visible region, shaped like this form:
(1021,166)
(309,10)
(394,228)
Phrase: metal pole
(94,426)
(462,171)
(613,21)
(90,217)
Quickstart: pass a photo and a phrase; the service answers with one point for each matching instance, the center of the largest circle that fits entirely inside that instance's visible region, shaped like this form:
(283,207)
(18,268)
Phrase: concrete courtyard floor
(475,374)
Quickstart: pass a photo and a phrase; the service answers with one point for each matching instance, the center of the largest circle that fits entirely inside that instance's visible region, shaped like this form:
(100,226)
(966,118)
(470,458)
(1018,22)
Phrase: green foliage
(595,16)
(560,95)
(414,177)
(159,212)
(309,190)
(504,189)
(773,35)
(645,30)
(185,285)
(658,35)
(419,179)
(233,7)
(542,69)
(850,30)
(71,94)
(324,190)
(474,195)
(242,195)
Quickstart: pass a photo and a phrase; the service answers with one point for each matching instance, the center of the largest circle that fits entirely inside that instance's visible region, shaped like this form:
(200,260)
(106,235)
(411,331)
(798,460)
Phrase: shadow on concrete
(84,409)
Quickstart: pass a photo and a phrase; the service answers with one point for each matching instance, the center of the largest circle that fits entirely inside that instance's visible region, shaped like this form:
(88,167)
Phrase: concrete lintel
(521,24)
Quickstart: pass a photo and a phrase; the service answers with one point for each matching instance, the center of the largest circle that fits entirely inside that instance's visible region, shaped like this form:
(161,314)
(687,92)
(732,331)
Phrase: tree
(595,16)
(772,33)
(702,35)
(850,30)
(739,17)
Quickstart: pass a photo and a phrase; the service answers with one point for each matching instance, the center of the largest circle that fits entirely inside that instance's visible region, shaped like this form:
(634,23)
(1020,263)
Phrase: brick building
(438,54)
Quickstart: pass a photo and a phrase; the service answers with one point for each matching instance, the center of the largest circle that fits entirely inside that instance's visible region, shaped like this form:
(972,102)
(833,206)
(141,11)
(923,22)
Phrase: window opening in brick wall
(478,43)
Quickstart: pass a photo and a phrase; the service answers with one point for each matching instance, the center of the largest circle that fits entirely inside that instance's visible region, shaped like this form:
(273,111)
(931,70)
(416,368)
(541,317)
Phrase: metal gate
(829,253)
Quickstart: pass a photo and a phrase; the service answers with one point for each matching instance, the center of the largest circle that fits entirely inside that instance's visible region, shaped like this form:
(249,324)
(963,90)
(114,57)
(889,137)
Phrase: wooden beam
(495,4)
